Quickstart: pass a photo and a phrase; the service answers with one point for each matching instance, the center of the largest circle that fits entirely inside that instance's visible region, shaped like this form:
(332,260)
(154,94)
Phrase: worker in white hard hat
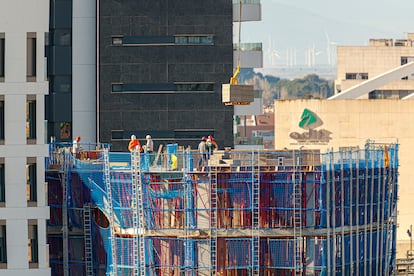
(149,144)
(149,148)
(134,144)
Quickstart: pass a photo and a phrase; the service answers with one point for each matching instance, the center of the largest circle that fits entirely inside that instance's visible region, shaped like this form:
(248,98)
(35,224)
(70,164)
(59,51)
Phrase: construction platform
(290,212)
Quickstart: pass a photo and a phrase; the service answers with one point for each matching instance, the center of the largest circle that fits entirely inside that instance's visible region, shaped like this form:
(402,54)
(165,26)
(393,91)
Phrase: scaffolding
(290,212)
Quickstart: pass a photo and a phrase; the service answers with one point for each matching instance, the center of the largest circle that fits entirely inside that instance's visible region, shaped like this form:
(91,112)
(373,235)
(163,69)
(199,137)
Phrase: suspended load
(237,94)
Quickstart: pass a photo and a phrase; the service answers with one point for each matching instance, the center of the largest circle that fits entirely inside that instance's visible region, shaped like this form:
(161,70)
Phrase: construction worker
(149,148)
(202,150)
(76,147)
(150,144)
(134,144)
(211,145)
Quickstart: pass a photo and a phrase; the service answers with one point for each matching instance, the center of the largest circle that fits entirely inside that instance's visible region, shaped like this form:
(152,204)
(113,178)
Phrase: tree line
(309,87)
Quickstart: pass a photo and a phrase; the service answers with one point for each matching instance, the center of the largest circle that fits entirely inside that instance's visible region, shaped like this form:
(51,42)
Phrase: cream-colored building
(357,64)
(373,100)
(348,123)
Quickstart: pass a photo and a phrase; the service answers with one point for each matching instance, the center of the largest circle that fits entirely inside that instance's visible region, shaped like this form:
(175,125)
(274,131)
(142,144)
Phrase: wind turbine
(310,56)
(272,54)
(330,51)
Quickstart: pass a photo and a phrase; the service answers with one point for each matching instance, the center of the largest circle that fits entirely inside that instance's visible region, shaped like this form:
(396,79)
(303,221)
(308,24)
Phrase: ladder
(297,218)
(107,175)
(137,215)
(87,235)
(65,246)
(255,215)
(213,221)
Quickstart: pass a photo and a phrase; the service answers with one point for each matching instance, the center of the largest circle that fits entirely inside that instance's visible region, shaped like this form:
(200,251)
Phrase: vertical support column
(297,212)
(87,232)
(343,262)
(203,223)
(190,224)
(213,221)
(108,185)
(255,258)
(357,213)
(351,208)
(367,166)
(65,182)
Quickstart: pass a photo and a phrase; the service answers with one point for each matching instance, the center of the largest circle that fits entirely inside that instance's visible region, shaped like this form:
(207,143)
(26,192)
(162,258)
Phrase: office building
(23,85)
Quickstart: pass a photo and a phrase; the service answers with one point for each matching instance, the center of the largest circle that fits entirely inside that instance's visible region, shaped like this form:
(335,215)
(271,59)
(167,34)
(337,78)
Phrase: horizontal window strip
(192,134)
(163,40)
(179,87)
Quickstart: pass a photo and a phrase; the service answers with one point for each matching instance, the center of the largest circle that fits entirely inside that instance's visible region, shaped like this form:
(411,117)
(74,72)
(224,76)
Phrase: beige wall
(372,60)
(351,123)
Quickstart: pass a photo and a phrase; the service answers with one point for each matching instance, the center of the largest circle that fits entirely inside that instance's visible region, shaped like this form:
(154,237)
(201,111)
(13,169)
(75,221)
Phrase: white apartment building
(23,86)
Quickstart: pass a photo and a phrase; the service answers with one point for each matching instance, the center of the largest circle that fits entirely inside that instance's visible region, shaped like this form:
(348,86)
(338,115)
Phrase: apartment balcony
(251,55)
(251,10)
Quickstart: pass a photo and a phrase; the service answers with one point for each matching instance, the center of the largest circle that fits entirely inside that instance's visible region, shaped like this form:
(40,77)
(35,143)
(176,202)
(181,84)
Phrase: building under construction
(290,212)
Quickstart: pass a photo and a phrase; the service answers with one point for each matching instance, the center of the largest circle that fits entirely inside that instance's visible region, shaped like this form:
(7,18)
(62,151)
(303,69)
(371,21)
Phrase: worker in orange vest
(134,144)
(211,145)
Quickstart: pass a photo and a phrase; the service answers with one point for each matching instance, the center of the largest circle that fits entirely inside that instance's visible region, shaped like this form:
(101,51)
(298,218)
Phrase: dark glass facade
(58,111)
(161,67)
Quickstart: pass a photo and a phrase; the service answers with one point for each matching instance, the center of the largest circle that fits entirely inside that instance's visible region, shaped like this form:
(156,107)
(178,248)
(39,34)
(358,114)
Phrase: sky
(306,32)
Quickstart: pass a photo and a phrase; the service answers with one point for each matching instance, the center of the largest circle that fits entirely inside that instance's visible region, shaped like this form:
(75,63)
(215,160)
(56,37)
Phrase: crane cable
(234,79)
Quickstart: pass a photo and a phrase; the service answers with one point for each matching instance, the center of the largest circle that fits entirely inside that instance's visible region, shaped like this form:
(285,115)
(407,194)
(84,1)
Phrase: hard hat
(78,138)
(133,137)
(204,138)
(148,137)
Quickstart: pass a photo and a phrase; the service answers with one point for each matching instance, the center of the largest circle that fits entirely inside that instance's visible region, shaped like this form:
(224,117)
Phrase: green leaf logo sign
(309,120)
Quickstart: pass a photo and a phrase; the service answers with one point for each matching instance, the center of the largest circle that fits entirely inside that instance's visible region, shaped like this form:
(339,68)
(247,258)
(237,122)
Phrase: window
(32,244)
(61,37)
(163,40)
(31,118)
(142,40)
(31,57)
(116,40)
(3,244)
(178,87)
(118,135)
(2,56)
(194,39)
(405,60)
(194,86)
(60,84)
(2,183)
(356,76)
(31,181)
(1,119)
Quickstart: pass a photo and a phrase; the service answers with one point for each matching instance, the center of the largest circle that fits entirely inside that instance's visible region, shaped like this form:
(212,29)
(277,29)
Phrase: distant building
(255,130)
(373,89)
(23,86)
(357,64)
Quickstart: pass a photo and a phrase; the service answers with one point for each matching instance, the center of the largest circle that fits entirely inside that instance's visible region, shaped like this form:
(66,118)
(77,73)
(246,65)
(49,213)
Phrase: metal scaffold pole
(107,177)
(297,213)
(213,221)
(189,261)
(137,215)
(87,232)
(65,182)
(255,214)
